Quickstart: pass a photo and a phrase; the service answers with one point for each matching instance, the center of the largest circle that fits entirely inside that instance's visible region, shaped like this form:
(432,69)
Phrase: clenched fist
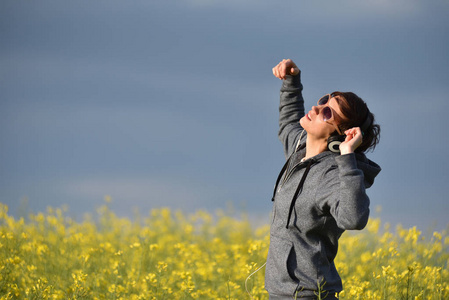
(284,68)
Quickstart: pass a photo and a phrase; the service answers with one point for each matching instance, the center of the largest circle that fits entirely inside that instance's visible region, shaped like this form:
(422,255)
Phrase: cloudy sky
(173,103)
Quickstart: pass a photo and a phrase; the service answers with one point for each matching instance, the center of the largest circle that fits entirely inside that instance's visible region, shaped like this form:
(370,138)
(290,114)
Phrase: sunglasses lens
(327,113)
(323,100)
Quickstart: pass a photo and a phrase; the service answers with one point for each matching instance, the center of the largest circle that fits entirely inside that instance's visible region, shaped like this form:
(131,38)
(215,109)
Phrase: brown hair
(358,115)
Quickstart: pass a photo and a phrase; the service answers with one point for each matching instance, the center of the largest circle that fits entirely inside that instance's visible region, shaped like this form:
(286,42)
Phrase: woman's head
(357,114)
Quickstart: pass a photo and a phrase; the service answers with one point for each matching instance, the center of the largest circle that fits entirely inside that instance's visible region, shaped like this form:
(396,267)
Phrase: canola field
(171,255)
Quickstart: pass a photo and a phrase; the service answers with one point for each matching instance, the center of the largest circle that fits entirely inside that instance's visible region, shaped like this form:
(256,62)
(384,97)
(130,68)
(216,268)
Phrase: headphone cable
(246,287)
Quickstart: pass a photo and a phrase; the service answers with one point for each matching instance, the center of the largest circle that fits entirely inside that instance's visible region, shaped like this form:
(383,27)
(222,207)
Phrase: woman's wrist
(345,151)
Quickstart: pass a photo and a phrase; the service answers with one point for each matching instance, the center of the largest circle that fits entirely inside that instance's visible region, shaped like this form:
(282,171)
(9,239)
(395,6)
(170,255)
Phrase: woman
(320,191)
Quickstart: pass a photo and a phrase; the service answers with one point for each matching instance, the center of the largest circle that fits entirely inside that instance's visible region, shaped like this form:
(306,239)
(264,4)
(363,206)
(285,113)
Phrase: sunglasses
(327,112)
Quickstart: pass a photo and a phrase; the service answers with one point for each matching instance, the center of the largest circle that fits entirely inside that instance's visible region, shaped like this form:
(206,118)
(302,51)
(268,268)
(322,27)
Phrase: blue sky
(172,103)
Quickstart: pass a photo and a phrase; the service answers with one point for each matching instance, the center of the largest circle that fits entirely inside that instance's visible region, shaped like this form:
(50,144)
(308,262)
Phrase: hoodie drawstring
(298,190)
(279,177)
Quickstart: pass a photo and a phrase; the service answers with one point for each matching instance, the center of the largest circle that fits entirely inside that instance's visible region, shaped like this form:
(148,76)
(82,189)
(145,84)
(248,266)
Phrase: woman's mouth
(308,117)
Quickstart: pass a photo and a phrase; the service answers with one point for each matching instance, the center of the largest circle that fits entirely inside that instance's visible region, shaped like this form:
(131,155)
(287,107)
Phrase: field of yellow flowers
(170,255)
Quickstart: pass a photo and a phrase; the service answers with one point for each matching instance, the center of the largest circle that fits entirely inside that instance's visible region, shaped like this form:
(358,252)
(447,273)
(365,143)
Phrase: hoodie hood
(370,169)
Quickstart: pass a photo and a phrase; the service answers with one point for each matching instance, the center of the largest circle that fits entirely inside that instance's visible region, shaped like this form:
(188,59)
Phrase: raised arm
(291,108)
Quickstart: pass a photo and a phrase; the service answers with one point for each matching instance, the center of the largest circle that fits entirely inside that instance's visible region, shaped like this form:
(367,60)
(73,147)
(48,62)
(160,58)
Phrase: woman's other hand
(284,68)
(352,141)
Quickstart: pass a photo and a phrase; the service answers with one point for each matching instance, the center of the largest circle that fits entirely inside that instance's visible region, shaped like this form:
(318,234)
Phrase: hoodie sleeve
(291,110)
(342,194)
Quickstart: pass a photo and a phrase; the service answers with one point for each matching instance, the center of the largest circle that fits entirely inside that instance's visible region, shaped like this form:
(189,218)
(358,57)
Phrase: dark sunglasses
(327,112)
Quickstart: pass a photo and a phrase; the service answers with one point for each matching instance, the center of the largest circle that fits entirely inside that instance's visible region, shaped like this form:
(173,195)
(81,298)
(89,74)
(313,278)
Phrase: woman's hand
(284,68)
(352,141)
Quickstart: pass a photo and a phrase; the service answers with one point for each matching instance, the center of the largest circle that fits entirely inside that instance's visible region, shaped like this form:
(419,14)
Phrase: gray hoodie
(315,201)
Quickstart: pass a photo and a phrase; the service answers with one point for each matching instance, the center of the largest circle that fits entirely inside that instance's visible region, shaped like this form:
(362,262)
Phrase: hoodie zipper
(287,176)
(299,190)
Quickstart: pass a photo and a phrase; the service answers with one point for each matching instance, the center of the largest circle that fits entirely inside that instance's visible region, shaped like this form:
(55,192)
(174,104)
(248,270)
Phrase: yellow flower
(200,256)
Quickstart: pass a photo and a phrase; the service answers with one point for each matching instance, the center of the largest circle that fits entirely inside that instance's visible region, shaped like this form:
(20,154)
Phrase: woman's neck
(315,147)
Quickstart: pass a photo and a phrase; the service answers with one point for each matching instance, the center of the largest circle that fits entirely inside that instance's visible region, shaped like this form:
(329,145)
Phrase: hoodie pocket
(281,263)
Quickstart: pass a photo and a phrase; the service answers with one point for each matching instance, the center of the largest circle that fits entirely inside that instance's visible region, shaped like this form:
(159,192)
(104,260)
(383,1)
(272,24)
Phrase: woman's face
(313,121)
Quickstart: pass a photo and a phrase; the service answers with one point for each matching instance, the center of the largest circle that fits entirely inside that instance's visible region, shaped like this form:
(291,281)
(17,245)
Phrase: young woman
(320,191)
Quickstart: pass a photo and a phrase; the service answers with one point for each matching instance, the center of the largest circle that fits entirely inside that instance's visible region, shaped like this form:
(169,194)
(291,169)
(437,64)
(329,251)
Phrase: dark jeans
(328,297)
